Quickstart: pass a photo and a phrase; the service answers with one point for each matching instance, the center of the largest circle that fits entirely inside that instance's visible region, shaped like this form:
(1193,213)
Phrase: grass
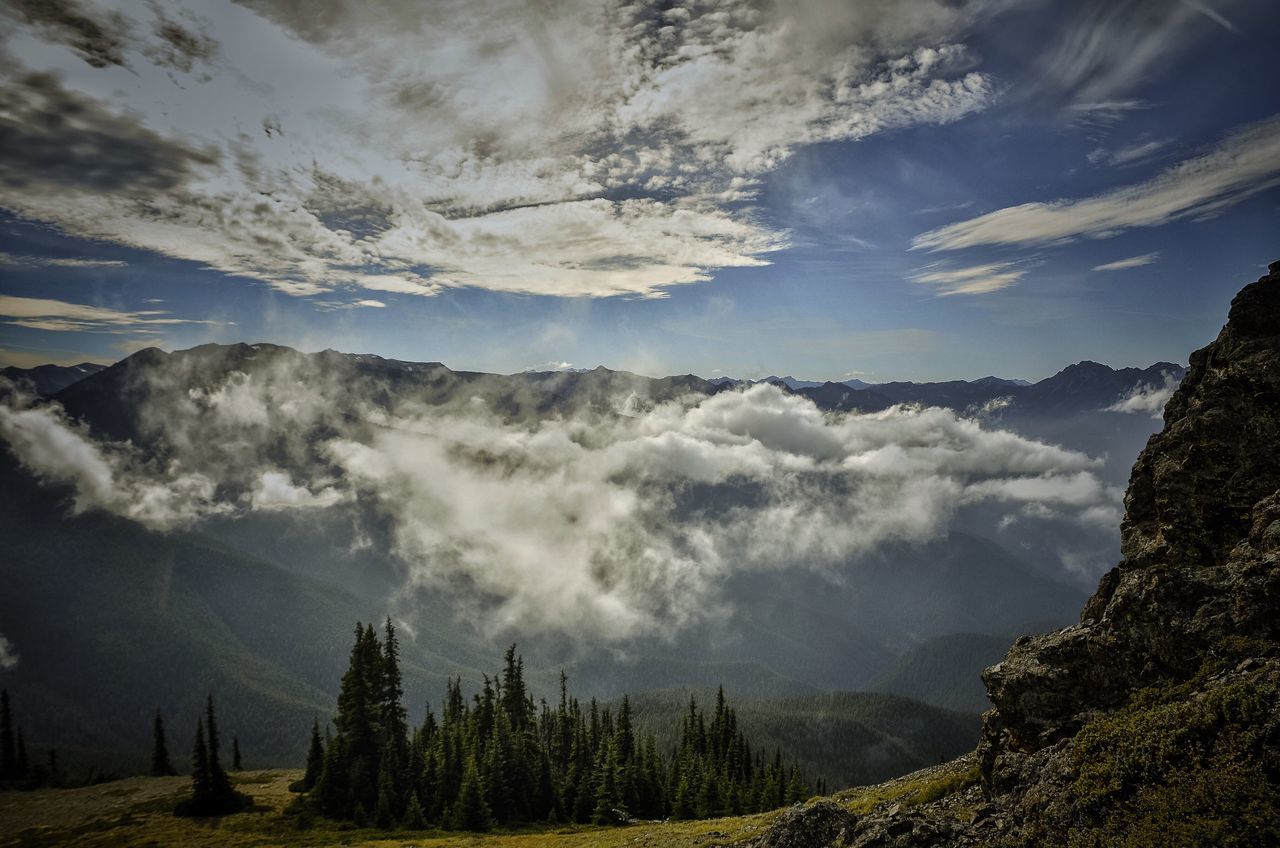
(98,817)
(923,787)
(137,813)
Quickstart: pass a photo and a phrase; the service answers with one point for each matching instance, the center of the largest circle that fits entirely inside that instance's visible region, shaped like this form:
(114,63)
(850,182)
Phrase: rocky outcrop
(1199,538)
(1156,719)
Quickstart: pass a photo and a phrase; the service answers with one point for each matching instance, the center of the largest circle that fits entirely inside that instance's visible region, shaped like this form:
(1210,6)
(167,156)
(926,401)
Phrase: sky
(825,188)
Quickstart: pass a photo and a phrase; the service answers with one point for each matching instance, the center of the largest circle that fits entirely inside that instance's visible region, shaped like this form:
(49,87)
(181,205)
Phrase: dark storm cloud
(99,38)
(50,135)
(180,45)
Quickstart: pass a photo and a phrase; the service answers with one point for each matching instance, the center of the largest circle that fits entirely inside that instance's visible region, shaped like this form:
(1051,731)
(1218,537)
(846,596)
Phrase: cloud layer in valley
(605,523)
(577,148)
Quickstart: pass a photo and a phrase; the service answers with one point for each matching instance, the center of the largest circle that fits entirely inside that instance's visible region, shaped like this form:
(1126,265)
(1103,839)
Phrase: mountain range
(111,618)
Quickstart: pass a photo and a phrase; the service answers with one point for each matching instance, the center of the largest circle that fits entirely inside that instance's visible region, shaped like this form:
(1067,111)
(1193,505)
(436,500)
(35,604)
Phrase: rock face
(1156,719)
(1200,540)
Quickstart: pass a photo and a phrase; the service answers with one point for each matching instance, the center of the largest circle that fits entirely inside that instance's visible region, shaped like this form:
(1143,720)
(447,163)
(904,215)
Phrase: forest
(501,757)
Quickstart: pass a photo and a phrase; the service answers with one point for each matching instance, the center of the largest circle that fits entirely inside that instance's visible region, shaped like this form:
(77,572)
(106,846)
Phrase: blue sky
(827,188)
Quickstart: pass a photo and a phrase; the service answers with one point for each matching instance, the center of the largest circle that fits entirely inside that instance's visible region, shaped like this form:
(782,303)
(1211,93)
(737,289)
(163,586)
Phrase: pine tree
(236,763)
(315,759)
(471,811)
(160,764)
(414,818)
(8,751)
(211,792)
(200,782)
(384,815)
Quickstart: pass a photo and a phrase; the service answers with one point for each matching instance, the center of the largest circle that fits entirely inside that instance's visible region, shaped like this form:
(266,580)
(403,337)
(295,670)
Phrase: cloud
(1110,49)
(976,279)
(53,449)
(1243,164)
(275,491)
(1135,152)
(1130,262)
(8,654)
(99,38)
(569,149)
(60,316)
(1147,399)
(58,262)
(619,517)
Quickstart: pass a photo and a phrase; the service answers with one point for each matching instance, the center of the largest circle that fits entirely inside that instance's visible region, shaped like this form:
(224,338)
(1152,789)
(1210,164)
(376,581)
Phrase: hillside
(850,738)
(945,670)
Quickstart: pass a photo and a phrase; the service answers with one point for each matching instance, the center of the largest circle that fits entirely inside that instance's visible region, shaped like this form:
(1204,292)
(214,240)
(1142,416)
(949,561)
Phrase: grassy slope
(134,813)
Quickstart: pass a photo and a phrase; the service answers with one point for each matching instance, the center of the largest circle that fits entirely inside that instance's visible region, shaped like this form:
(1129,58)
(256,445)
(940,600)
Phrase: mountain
(1155,720)
(944,671)
(46,380)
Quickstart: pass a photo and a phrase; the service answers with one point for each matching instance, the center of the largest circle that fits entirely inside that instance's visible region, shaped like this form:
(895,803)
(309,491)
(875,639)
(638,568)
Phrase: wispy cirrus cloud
(1243,164)
(58,262)
(1109,49)
(1129,154)
(1127,263)
(975,279)
(60,316)
(575,149)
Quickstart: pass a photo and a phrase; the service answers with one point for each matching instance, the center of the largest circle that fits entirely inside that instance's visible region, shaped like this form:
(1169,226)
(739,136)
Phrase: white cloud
(602,523)
(1106,52)
(1130,154)
(1243,164)
(8,654)
(976,279)
(1147,399)
(275,490)
(104,479)
(60,316)
(577,149)
(1130,262)
(58,262)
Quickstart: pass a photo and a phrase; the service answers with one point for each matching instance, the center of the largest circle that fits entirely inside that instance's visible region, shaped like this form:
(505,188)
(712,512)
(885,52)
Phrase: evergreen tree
(236,763)
(315,759)
(160,764)
(8,750)
(471,811)
(414,817)
(211,792)
(199,766)
(384,815)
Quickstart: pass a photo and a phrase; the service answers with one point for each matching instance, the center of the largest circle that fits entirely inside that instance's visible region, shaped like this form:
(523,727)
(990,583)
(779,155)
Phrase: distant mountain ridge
(1084,386)
(45,380)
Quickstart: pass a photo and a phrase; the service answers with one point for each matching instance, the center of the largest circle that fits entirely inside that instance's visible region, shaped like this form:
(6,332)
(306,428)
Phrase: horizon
(585,369)
(904,194)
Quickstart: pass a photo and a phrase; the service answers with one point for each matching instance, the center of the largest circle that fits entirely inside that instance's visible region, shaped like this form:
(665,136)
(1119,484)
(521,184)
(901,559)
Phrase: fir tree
(160,764)
(471,811)
(237,764)
(200,782)
(414,817)
(211,792)
(315,759)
